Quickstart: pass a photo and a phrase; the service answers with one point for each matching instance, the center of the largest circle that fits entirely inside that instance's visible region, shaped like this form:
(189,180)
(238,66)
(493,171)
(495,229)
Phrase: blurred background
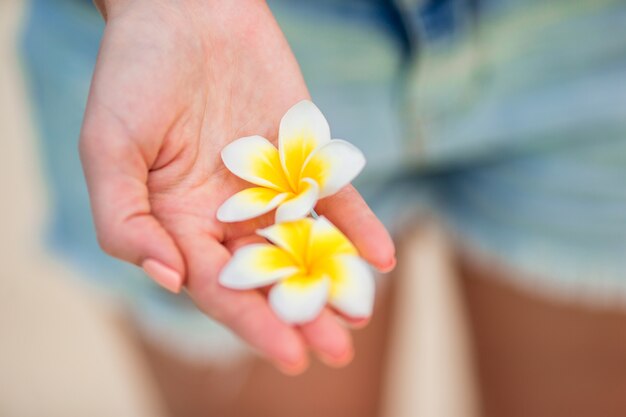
(495,133)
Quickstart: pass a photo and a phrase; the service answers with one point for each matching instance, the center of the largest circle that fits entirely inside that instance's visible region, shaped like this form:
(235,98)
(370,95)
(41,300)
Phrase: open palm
(173,85)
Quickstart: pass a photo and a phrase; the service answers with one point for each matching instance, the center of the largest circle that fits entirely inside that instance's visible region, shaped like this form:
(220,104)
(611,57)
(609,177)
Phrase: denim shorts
(505,118)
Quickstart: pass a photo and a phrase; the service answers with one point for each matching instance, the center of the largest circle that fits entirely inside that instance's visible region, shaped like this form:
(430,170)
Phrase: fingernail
(292,369)
(358,324)
(163,275)
(337,361)
(389,267)
(354,323)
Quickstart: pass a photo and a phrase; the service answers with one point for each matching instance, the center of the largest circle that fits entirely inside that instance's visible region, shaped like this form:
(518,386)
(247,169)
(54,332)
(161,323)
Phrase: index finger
(350,213)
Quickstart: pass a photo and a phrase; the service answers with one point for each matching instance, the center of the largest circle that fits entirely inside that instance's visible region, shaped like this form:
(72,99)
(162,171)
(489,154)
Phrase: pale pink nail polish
(337,361)
(293,369)
(163,275)
(389,267)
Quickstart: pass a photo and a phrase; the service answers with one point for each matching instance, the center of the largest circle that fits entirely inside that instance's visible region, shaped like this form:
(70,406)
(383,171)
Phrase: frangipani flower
(306,167)
(311,263)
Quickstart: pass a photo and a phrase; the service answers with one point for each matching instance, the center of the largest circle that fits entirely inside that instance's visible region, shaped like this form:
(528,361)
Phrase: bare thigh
(540,357)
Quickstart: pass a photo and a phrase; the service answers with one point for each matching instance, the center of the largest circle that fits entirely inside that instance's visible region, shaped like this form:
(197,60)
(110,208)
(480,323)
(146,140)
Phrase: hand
(174,83)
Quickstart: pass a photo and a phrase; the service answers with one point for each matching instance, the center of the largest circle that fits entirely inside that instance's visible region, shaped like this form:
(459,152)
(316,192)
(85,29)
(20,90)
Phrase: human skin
(175,81)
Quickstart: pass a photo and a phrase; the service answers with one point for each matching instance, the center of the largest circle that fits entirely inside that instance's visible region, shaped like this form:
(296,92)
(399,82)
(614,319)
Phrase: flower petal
(300,205)
(302,130)
(292,237)
(334,166)
(256,265)
(326,241)
(256,160)
(249,203)
(299,299)
(352,285)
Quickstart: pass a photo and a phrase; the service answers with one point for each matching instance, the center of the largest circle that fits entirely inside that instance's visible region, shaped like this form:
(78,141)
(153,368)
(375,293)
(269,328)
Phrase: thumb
(117,173)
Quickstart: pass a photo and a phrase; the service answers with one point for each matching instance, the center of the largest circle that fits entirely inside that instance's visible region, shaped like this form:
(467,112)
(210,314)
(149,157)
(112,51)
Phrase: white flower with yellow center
(311,263)
(306,167)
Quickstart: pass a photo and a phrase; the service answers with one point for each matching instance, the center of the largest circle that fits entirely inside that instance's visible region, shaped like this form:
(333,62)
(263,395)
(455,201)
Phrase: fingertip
(293,369)
(277,342)
(165,276)
(330,341)
(291,358)
(378,249)
(382,248)
(281,344)
(293,350)
(355,323)
(387,266)
(350,213)
(337,361)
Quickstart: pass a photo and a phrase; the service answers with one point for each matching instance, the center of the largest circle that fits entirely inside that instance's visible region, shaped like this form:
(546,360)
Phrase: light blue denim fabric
(507,118)
(519,107)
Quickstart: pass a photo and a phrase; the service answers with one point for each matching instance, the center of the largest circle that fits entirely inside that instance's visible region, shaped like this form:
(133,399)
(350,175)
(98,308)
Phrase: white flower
(310,262)
(306,167)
